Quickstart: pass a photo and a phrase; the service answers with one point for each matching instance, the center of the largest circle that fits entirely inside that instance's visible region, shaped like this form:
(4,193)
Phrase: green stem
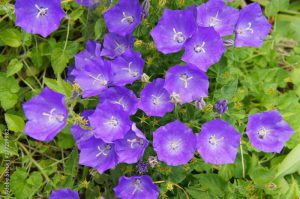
(242,157)
(67,37)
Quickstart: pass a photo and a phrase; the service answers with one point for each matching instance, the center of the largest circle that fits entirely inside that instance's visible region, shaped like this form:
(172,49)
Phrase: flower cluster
(107,136)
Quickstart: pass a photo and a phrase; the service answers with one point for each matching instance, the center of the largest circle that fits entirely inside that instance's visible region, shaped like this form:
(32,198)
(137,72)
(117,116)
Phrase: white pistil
(137,186)
(132,73)
(137,140)
(178,36)
(185,78)
(120,48)
(113,122)
(42,11)
(156,100)
(103,151)
(175,97)
(99,78)
(174,145)
(249,28)
(128,19)
(52,117)
(120,102)
(213,21)
(199,48)
(263,132)
(214,141)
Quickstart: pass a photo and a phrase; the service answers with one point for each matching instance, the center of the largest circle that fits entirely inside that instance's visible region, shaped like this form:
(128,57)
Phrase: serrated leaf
(14,122)
(72,164)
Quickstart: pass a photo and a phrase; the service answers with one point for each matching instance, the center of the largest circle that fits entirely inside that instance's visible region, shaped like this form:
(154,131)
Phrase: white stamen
(132,73)
(137,186)
(214,141)
(135,140)
(199,48)
(113,122)
(103,151)
(175,97)
(178,36)
(185,78)
(174,146)
(128,19)
(52,117)
(120,48)
(99,78)
(249,28)
(42,11)
(156,100)
(120,102)
(263,132)
(213,21)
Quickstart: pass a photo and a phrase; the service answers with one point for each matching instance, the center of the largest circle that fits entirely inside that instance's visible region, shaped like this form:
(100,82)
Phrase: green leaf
(213,183)
(59,85)
(14,122)
(71,165)
(177,174)
(14,66)
(11,37)
(290,164)
(262,176)
(275,6)
(99,28)
(8,91)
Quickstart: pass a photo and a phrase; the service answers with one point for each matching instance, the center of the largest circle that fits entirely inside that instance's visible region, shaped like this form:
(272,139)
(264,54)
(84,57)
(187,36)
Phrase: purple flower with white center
(115,45)
(88,3)
(127,68)
(131,148)
(216,14)
(252,27)
(218,142)
(204,49)
(142,167)
(81,135)
(47,115)
(222,106)
(124,17)
(186,83)
(64,193)
(173,29)
(39,16)
(136,187)
(98,154)
(155,100)
(174,143)
(94,77)
(92,50)
(110,122)
(121,96)
(268,132)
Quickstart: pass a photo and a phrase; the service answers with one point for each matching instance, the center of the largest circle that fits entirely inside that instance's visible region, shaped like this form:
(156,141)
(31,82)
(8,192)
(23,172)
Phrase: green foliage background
(252,80)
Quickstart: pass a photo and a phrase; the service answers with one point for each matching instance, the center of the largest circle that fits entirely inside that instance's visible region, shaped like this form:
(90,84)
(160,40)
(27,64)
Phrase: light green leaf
(290,164)
(14,66)
(59,86)
(11,37)
(14,122)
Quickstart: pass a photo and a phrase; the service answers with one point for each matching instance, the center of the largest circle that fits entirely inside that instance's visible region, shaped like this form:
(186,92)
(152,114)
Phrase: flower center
(132,73)
(120,102)
(52,117)
(137,186)
(178,36)
(175,97)
(120,48)
(156,100)
(199,48)
(112,122)
(263,132)
(99,79)
(103,151)
(136,142)
(213,21)
(214,141)
(129,19)
(41,11)
(174,146)
(185,78)
(248,28)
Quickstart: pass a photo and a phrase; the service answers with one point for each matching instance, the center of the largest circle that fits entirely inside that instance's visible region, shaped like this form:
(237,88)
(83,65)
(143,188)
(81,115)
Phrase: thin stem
(4,17)
(67,37)
(186,194)
(36,163)
(243,163)
(29,69)
(26,82)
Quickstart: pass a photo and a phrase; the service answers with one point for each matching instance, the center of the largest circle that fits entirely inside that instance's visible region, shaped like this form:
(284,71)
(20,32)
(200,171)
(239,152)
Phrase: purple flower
(81,135)
(142,167)
(47,115)
(186,83)
(92,50)
(200,104)
(39,16)
(110,122)
(127,68)
(268,132)
(204,49)
(88,3)
(124,17)
(136,187)
(216,14)
(121,96)
(174,143)
(173,29)
(64,193)
(218,142)
(155,100)
(97,154)
(131,148)
(222,106)
(252,27)
(115,45)
(94,77)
